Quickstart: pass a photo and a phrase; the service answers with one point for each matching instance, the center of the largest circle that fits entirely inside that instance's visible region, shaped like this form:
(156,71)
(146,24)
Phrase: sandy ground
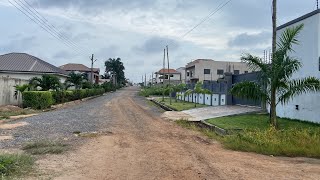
(144,146)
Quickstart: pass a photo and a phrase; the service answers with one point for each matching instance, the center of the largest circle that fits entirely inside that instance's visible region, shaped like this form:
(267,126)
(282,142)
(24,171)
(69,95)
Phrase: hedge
(37,99)
(44,99)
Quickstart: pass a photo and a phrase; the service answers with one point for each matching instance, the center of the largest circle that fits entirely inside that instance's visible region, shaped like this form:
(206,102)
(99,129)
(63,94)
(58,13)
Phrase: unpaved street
(144,146)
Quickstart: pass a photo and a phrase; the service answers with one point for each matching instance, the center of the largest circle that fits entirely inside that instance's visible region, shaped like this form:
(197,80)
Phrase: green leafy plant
(46,83)
(275,84)
(76,80)
(15,164)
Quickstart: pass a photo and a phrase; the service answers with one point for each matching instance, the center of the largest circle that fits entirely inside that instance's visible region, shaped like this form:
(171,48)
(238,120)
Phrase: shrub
(66,96)
(15,164)
(156,91)
(37,99)
(45,147)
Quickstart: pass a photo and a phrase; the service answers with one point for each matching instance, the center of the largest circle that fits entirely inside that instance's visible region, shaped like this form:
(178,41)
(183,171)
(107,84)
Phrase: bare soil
(144,146)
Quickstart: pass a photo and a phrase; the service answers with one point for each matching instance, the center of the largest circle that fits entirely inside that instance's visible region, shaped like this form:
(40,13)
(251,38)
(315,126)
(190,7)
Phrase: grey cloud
(249,40)
(94,6)
(19,44)
(156,45)
(63,55)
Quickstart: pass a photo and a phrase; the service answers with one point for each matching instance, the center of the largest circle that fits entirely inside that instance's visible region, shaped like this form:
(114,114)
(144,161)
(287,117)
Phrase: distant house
(305,106)
(182,71)
(19,68)
(80,68)
(162,76)
(208,69)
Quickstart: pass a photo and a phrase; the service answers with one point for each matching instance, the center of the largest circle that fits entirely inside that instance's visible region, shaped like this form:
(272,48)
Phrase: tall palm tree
(46,82)
(76,80)
(275,85)
(116,68)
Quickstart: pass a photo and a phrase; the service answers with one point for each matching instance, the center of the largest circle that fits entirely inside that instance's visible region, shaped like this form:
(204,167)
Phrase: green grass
(258,121)
(45,147)
(293,138)
(7,114)
(179,105)
(13,165)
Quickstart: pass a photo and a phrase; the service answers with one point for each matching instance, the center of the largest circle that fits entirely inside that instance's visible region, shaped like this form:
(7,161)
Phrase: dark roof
(299,19)
(77,67)
(22,62)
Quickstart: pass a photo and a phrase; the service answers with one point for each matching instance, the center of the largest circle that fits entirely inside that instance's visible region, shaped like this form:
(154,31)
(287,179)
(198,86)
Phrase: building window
(319,63)
(246,72)
(188,74)
(236,72)
(206,71)
(171,75)
(220,71)
(191,74)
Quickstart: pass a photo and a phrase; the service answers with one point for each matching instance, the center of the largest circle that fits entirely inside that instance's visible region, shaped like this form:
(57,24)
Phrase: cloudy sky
(138,30)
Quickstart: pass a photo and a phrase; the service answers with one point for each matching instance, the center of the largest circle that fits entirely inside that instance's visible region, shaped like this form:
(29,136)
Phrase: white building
(182,71)
(208,69)
(305,106)
(18,69)
(162,76)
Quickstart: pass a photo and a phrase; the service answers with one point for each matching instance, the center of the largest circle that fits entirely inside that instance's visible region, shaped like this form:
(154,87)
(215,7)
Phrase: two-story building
(208,69)
(305,106)
(162,76)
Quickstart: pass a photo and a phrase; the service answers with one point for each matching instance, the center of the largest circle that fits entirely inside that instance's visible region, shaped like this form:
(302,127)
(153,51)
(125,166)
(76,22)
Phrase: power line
(23,9)
(46,26)
(222,5)
(45,21)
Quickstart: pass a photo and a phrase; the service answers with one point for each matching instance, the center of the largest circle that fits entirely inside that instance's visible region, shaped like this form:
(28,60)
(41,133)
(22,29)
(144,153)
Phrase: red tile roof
(171,71)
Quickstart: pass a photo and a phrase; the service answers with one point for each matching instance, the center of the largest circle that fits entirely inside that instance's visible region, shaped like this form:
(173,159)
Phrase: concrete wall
(8,81)
(308,51)
(206,99)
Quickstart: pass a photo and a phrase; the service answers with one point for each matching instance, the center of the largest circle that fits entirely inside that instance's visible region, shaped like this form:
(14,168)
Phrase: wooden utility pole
(274,26)
(169,73)
(92,61)
(145,79)
(163,74)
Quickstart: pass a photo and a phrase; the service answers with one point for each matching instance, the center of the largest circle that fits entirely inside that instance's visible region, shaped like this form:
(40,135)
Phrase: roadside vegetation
(292,138)
(9,113)
(45,147)
(179,105)
(15,165)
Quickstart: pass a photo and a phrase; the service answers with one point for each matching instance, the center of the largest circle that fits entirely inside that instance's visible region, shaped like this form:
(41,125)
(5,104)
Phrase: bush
(66,96)
(15,164)
(37,99)
(155,91)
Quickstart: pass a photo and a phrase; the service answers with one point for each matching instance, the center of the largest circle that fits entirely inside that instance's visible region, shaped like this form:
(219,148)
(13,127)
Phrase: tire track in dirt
(144,146)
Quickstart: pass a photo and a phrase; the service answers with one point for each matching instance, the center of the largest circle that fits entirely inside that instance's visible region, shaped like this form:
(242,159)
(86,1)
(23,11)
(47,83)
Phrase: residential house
(80,68)
(208,69)
(305,106)
(19,68)
(182,71)
(162,76)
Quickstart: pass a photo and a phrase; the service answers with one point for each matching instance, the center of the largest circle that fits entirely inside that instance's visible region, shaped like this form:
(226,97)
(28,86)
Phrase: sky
(137,31)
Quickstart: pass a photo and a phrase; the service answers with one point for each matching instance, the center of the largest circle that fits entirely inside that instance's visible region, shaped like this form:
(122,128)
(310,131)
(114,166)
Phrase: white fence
(208,99)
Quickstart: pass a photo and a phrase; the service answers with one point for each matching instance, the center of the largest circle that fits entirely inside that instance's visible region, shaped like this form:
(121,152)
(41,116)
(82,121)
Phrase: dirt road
(144,146)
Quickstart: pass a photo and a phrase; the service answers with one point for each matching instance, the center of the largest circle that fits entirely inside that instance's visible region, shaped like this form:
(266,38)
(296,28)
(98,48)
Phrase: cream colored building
(208,69)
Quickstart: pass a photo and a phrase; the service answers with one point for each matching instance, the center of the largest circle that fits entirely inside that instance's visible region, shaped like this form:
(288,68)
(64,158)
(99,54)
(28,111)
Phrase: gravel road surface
(144,146)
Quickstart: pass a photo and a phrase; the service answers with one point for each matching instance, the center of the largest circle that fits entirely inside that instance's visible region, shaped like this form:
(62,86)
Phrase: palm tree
(116,68)
(275,85)
(76,80)
(199,90)
(19,90)
(46,82)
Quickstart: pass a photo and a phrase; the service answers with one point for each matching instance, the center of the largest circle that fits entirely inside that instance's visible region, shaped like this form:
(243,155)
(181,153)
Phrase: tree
(179,88)
(199,90)
(275,83)
(75,80)
(46,82)
(19,90)
(115,68)
(274,26)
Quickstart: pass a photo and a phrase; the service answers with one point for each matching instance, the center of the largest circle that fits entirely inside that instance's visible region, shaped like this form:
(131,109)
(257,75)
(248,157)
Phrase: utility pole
(92,61)
(169,73)
(163,74)
(145,80)
(152,79)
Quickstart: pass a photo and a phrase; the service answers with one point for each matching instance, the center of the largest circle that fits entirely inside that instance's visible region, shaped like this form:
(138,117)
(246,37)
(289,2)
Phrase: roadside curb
(163,106)
(214,128)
